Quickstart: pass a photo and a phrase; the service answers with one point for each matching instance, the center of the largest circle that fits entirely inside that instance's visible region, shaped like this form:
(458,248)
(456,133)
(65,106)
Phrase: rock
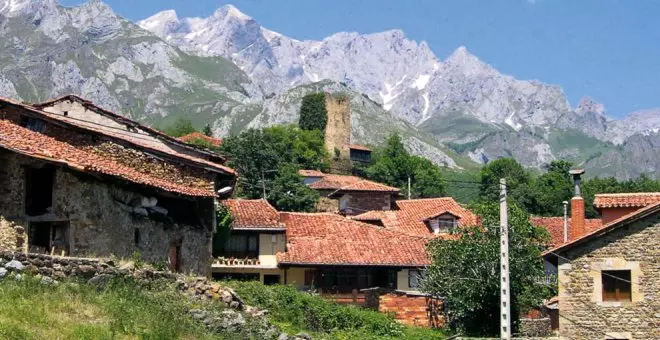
(301,336)
(47,281)
(226,297)
(215,287)
(18,277)
(234,305)
(283,336)
(231,320)
(14,265)
(3,272)
(100,280)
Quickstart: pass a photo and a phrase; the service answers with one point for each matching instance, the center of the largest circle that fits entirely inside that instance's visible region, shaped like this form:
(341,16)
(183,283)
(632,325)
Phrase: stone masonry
(583,313)
(338,131)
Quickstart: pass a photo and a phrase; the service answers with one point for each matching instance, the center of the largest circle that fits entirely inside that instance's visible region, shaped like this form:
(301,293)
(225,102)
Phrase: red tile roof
(200,136)
(342,183)
(555,227)
(33,144)
(639,199)
(253,214)
(621,221)
(359,147)
(310,173)
(151,140)
(411,215)
(331,239)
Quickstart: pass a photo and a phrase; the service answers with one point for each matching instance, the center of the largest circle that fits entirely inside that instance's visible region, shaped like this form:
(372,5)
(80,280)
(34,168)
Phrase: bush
(309,312)
(313,113)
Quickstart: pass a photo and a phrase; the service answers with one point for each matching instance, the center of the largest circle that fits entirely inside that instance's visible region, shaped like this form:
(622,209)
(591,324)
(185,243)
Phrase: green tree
(313,113)
(465,271)
(288,193)
(393,165)
(179,127)
(207,130)
(517,182)
(265,158)
(223,221)
(551,189)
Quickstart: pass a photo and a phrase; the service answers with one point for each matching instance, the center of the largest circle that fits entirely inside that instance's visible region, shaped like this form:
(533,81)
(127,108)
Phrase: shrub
(313,113)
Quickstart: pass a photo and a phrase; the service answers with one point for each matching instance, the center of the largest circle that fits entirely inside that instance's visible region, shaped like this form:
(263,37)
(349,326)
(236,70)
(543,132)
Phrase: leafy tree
(465,271)
(223,221)
(393,165)
(313,113)
(180,127)
(517,182)
(551,189)
(289,193)
(207,130)
(267,157)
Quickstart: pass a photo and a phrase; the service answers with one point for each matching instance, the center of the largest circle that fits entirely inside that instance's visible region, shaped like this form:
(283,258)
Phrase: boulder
(14,265)
(3,272)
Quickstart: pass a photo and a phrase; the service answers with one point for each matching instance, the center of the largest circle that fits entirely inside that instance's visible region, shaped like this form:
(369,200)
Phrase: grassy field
(124,310)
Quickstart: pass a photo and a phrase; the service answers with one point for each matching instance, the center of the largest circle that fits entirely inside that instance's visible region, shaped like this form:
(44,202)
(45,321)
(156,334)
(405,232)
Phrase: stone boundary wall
(535,327)
(12,236)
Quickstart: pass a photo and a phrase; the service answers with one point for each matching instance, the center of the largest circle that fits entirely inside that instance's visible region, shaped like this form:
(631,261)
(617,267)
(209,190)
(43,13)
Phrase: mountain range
(230,71)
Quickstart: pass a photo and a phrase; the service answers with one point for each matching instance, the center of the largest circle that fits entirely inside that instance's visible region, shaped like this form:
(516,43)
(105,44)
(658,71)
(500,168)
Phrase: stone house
(85,182)
(256,236)
(349,195)
(338,135)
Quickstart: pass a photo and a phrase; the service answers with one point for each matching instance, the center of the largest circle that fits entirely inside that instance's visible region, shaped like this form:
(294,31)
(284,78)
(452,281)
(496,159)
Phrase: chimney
(577,207)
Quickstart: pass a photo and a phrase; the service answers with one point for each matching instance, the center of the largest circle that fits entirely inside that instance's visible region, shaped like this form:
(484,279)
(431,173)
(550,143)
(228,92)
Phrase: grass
(295,311)
(31,310)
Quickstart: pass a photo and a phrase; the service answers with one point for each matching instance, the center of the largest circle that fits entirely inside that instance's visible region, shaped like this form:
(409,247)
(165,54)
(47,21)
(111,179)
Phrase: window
(442,224)
(39,190)
(34,124)
(242,246)
(616,285)
(48,237)
(415,278)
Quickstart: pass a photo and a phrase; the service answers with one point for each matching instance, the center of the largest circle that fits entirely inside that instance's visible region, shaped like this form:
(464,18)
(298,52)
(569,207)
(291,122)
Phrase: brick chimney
(577,228)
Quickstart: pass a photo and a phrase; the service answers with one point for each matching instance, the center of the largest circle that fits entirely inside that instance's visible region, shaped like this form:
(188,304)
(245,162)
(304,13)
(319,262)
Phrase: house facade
(609,279)
(255,239)
(349,195)
(81,181)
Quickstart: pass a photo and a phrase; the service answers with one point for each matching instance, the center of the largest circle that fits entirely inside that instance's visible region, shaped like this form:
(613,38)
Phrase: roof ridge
(649,193)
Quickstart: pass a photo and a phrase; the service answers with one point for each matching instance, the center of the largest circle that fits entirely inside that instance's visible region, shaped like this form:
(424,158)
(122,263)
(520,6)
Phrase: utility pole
(505,301)
(408,187)
(565,221)
(263,183)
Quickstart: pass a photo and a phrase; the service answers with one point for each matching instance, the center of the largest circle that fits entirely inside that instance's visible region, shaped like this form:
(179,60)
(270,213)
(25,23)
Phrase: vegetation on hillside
(296,311)
(313,113)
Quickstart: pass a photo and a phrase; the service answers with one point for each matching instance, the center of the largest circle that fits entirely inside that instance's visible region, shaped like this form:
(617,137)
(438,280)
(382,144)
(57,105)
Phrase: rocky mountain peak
(230,11)
(588,104)
(13,8)
(161,23)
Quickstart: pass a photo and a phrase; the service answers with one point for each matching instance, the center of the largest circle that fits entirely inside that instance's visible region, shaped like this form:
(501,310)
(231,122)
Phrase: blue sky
(606,49)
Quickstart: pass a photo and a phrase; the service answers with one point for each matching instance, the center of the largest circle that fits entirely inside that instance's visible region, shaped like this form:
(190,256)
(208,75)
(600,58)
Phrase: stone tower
(338,132)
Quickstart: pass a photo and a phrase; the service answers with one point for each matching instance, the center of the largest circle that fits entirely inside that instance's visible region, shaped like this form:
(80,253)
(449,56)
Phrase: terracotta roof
(200,136)
(151,140)
(331,239)
(621,221)
(359,147)
(555,227)
(33,144)
(348,183)
(253,214)
(310,173)
(411,215)
(639,199)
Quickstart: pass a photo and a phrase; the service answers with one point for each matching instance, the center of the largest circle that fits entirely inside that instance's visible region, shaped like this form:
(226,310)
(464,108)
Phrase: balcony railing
(232,261)
(548,279)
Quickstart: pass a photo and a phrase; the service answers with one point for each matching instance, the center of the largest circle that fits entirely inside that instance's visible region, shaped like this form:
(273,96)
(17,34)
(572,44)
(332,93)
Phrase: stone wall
(412,309)
(338,131)
(11,236)
(541,327)
(583,313)
(104,219)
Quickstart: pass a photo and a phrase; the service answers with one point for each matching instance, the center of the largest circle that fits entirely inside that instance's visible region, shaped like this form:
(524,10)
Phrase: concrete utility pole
(505,305)
(263,183)
(408,186)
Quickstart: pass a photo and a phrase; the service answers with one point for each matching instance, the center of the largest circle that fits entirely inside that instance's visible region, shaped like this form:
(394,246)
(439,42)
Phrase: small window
(616,285)
(414,278)
(34,124)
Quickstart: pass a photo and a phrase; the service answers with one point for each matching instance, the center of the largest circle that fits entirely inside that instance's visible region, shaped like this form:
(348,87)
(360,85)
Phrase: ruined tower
(338,132)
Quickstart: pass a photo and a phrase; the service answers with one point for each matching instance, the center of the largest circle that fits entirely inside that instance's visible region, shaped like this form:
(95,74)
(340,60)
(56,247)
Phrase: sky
(606,49)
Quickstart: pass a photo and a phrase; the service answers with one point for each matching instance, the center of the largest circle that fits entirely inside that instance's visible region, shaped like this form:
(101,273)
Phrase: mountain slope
(48,50)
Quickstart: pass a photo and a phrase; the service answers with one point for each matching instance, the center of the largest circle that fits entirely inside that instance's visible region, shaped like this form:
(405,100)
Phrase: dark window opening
(39,190)
(616,285)
(48,238)
(270,280)
(236,276)
(345,280)
(360,156)
(34,124)
(242,245)
(179,210)
(136,236)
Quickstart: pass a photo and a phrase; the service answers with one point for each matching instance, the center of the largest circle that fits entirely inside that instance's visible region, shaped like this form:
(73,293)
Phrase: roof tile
(253,214)
(639,199)
(555,227)
(200,136)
